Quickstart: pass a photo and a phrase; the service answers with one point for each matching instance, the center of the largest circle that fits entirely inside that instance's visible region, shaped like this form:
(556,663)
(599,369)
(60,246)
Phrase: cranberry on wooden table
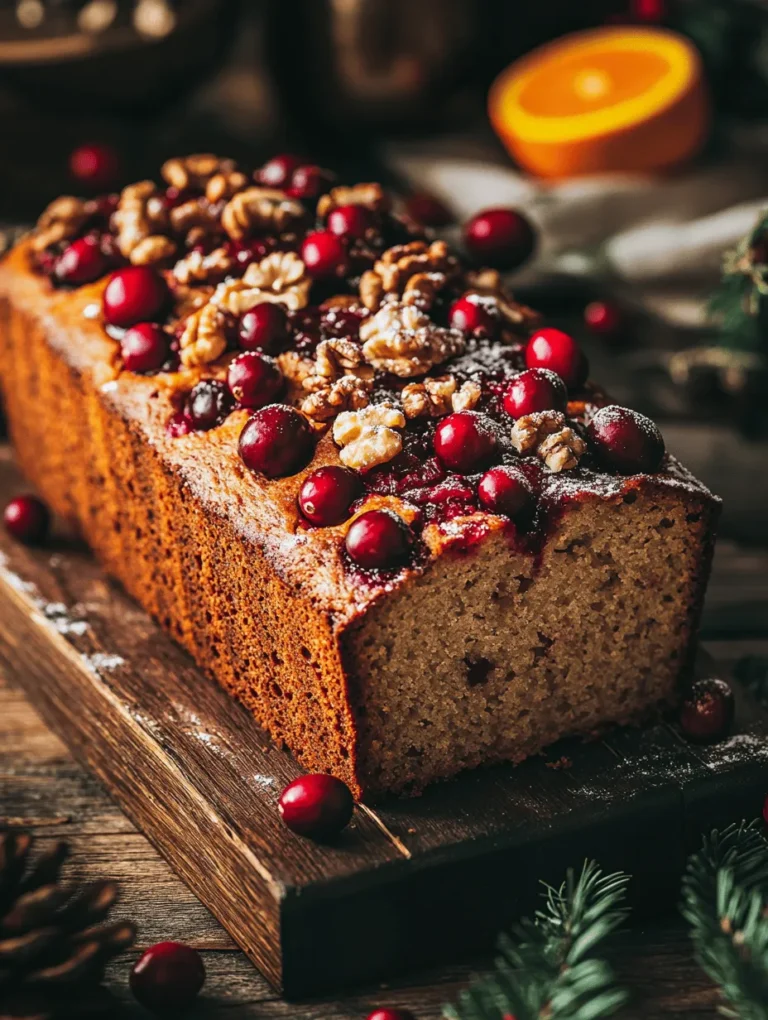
(317,805)
(134,294)
(603,318)
(264,327)
(553,349)
(327,494)
(276,441)
(95,165)
(351,221)
(536,389)
(379,540)
(707,711)
(625,441)
(324,254)
(254,379)
(472,313)
(506,490)
(501,238)
(27,519)
(391,1014)
(208,404)
(167,976)
(144,347)
(82,261)
(276,172)
(465,441)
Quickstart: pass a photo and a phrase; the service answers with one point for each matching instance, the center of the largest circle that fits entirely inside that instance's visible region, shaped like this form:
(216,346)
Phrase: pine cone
(52,948)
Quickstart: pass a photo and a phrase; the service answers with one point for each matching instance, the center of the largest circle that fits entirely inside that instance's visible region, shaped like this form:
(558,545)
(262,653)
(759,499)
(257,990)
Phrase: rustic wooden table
(43,788)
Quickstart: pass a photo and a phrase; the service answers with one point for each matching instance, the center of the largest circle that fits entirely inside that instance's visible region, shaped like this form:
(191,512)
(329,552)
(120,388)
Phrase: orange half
(613,99)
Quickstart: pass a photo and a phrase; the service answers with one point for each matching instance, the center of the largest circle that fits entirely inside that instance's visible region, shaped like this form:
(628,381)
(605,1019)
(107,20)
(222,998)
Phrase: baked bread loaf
(369,492)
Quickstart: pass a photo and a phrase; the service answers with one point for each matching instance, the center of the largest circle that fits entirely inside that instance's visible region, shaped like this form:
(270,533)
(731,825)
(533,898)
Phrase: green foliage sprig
(735,306)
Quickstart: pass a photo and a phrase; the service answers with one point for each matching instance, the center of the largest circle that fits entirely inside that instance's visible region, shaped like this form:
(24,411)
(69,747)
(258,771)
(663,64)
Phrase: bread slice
(488,645)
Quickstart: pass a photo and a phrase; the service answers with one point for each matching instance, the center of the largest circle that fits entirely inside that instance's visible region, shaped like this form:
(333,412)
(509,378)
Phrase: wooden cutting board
(409,883)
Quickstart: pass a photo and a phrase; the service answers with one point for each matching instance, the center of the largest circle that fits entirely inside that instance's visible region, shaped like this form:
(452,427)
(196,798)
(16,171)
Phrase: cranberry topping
(27,519)
(502,238)
(263,328)
(707,712)
(83,261)
(379,539)
(95,166)
(208,404)
(327,494)
(465,442)
(310,181)
(603,318)
(324,255)
(350,221)
(506,490)
(473,314)
(135,294)
(428,210)
(317,805)
(276,441)
(625,441)
(537,389)
(254,379)
(391,1014)
(167,976)
(553,349)
(276,172)
(145,347)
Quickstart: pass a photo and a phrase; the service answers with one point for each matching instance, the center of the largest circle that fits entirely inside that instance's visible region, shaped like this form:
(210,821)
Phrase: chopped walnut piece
(195,219)
(295,367)
(349,393)
(279,278)
(402,340)
(225,185)
(61,220)
(141,216)
(194,171)
(334,357)
(260,209)
(546,434)
(393,271)
(467,396)
(368,437)
(430,397)
(154,248)
(338,382)
(371,195)
(204,337)
(198,268)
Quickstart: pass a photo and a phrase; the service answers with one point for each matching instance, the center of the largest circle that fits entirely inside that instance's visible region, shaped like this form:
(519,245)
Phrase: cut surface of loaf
(493,629)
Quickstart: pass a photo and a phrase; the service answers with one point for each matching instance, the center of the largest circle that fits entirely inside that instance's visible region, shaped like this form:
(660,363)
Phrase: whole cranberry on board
(625,441)
(276,441)
(391,1014)
(327,494)
(317,805)
(603,318)
(134,294)
(557,351)
(167,976)
(379,540)
(27,519)
(501,238)
(95,166)
(706,714)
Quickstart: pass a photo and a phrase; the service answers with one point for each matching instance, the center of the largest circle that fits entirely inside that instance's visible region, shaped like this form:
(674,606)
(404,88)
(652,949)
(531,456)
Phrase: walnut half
(402,340)
(546,434)
(369,437)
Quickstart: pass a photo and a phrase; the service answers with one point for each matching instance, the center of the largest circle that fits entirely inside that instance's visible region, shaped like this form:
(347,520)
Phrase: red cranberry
(603,318)
(351,221)
(553,349)
(324,254)
(168,976)
(276,172)
(536,389)
(378,539)
(317,805)
(208,404)
(144,347)
(254,379)
(502,238)
(83,261)
(276,440)
(428,210)
(27,519)
(464,441)
(135,294)
(309,182)
(327,494)
(472,312)
(652,12)
(626,441)
(391,1014)
(95,166)
(707,712)
(506,490)
(263,328)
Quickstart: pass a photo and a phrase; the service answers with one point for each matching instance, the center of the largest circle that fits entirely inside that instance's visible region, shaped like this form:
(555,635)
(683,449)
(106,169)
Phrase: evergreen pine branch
(725,892)
(546,967)
(735,305)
